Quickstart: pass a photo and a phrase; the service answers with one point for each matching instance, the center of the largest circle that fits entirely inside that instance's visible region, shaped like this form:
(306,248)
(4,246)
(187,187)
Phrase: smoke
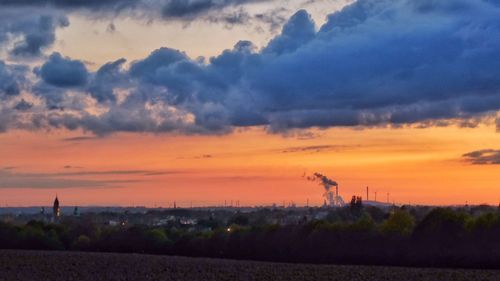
(324,180)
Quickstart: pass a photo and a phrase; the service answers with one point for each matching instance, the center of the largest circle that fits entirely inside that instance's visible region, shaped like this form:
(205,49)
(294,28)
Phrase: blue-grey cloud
(106,79)
(165,9)
(192,8)
(372,63)
(483,157)
(11,79)
(33,23)
(23,105)
(230,19)
(299,30)
(73,4)
(37,35)
(28,32)
(63,72)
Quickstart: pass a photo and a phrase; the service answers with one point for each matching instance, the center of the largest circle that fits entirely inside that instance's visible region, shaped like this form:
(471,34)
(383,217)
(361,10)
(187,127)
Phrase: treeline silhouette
(442,237)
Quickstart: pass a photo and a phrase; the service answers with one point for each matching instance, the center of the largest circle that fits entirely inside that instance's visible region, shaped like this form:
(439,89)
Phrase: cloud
(72,4)
(11,79)
(373,63)
(106,79)
(63,72)
(23,180)
(37,36)
(204,156)
(187,9)
(312,148)
(77,179)
(78,139)
(184,10)
(111,28)
(23,105)
(362,67)
(28,31)
(72,167)
(111,172)
(299,30)
(483,157)
(232,18)
(275,18)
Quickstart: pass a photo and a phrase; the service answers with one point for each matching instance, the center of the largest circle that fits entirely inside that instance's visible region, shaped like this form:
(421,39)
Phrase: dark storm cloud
(483,157)
(12,78)
(192,8)
(28,32)
(63,72)
(373,63)
(299,30)
(166,9)
(72,4)
(37,36)
(106,79)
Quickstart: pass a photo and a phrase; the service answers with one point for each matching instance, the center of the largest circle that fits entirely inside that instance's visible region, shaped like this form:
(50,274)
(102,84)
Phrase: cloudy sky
(199,101)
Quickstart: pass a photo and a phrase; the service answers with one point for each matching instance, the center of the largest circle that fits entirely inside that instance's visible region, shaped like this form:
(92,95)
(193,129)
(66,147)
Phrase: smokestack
(332,198)
(367,194)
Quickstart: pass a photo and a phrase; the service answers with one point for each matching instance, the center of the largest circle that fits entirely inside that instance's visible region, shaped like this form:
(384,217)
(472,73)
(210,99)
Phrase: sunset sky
(147,102)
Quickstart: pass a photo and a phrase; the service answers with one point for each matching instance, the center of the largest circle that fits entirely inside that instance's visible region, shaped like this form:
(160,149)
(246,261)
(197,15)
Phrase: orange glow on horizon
(415,165)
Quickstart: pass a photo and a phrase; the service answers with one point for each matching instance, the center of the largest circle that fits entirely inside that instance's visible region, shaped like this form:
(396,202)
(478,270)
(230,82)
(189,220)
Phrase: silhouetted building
(56,210)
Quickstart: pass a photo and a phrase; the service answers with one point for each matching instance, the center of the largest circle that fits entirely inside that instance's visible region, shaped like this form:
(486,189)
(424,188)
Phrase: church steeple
(56,210)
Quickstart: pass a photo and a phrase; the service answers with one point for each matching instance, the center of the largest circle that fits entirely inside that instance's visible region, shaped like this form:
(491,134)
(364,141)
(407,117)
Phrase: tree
(400,222)
(82,243)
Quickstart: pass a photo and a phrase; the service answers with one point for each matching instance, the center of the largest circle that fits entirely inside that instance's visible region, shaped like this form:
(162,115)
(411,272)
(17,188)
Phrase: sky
(201,102)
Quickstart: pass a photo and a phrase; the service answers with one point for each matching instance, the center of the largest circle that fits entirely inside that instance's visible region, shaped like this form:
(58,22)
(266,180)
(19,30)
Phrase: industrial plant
(331,198)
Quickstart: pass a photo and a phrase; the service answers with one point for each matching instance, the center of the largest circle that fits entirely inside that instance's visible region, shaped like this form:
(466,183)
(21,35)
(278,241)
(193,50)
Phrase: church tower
(56,210)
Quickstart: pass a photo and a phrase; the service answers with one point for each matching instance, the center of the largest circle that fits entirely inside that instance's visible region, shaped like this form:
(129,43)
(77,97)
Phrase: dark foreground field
(40,265)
